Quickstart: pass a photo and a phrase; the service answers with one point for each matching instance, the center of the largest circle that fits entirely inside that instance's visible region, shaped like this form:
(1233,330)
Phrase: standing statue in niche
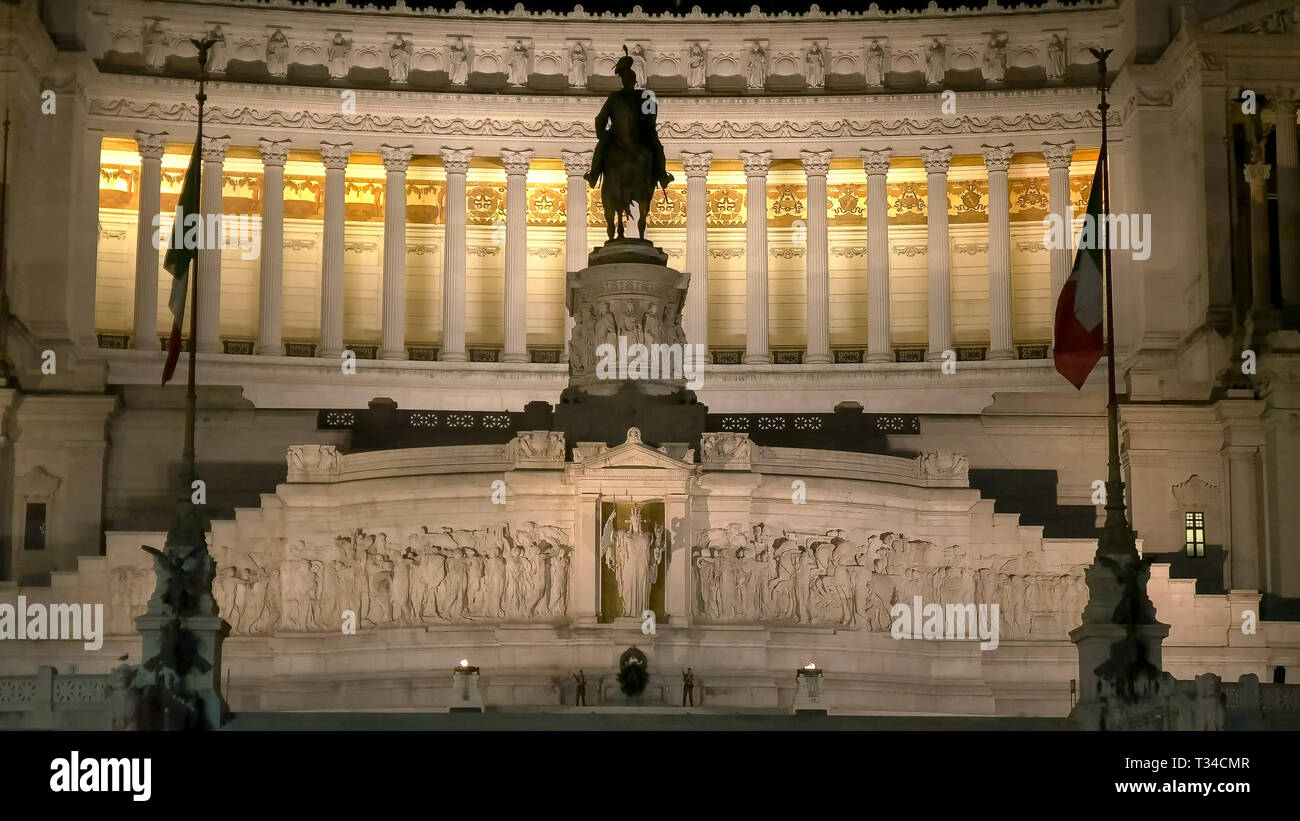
(696,72)
(815,66)
(937,63)
(628,155)
(875,70)
(1055,58)
(399,59)
(578,66)
(634,557)
(756,67)
(458,73)
(518,68)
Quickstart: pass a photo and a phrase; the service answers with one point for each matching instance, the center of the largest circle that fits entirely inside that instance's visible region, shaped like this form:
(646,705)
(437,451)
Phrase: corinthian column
(815,166)
(144,333)
(1058,156)
(997,159)
(1288,200)
(576,164)
(756,164)
(696,316)
(271,291)
(936,223)
(209,330)
(335,157)
(455,162)
(393,339)
(876,164)
(1257,175)
(516,307)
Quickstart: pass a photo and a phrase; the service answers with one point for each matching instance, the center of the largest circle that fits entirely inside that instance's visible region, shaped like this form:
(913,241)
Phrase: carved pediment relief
(1262,17)
(633,453)
(38,484)
(1195,492)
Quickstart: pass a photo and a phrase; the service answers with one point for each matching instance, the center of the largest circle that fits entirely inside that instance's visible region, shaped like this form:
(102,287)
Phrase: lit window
(34,533)
(1195,522)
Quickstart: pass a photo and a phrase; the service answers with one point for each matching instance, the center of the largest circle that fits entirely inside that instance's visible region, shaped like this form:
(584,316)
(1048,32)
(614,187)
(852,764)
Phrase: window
(34,533)
(1195,521)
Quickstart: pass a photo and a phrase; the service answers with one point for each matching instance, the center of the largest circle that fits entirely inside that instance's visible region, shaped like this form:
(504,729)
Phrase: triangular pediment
(633,453)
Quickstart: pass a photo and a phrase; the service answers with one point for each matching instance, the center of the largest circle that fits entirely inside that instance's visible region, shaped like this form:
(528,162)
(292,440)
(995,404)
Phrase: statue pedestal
(808,692)
(210,632)
(465,696)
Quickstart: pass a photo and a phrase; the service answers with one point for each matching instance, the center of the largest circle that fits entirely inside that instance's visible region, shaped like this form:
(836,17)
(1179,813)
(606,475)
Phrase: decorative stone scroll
(942,464)
(537,448)
(312,463)
(390,579)
(726,451)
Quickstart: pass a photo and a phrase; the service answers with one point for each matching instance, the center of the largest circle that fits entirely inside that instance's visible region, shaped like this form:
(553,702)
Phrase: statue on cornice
(628,155)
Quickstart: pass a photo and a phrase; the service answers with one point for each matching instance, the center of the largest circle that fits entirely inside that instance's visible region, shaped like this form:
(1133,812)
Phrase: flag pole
(188,468)
(1117,537)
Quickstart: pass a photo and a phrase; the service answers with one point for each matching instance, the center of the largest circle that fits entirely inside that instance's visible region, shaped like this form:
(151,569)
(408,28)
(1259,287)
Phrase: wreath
(632,673)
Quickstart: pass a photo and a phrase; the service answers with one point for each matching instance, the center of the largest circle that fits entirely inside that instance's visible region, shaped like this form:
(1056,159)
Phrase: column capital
(516,162)
(876,163)
(214,148)
(576,163)
(456,160)
(997,157)
(151,146)
(816,163)
(936,159)
(274,152)
(756,163)
(335,155)
(396,157)
(1257,173)
(1059,155)
(696,163)
(1283,101)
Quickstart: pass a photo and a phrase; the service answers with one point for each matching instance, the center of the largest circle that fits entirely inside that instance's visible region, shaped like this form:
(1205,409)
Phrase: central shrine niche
(634,547)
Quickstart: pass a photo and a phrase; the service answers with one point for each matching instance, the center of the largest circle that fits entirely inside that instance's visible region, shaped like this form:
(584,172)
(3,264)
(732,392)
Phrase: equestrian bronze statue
(628,153)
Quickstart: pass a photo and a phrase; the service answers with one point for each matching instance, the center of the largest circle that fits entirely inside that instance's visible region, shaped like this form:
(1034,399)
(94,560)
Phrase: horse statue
(628,153)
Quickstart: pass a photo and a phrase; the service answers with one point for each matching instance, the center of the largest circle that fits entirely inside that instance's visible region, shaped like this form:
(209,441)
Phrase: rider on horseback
(627,105)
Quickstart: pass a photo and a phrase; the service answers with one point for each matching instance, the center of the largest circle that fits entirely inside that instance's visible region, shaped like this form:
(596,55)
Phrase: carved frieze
(307,463)
(389,578)
(532,448)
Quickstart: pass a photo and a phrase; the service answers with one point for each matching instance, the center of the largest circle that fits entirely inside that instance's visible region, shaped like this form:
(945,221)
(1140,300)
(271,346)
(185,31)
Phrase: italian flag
(1079,309)
(179,260)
